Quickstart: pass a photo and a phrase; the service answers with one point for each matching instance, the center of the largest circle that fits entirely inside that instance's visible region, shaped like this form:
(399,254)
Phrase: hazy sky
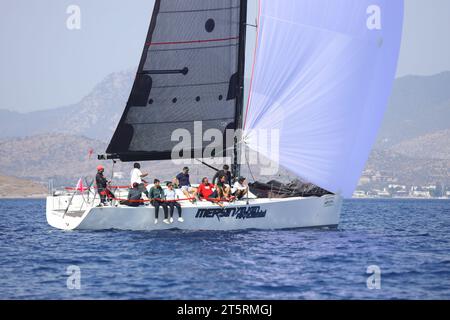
(44,64)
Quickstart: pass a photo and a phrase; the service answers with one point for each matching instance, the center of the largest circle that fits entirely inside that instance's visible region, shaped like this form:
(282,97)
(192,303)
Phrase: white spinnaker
(322,76)
(250,46)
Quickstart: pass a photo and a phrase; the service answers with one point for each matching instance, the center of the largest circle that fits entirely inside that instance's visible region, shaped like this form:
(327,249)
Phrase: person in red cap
(102,185)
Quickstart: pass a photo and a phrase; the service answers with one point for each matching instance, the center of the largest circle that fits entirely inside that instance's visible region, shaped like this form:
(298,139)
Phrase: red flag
(79,186)
(91,151)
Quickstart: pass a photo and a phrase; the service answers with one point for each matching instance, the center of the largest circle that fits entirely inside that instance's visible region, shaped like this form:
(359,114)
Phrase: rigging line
(248,165)
(112,170)
(206,164)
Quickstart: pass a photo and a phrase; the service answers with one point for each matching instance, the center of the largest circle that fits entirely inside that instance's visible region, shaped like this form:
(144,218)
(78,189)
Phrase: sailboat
(316,75)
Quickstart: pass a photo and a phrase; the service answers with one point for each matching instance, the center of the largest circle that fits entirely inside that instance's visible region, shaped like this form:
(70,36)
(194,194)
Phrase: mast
(236,168)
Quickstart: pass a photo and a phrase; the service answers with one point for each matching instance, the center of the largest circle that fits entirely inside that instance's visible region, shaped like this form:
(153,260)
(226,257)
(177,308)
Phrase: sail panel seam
(185,121)
(193,85)
(200,10)
(194,48)
(191,41)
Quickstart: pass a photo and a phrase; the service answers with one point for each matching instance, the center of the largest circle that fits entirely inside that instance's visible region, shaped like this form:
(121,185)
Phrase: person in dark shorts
(171,198)
(225,172)
(102,186)
(157,196)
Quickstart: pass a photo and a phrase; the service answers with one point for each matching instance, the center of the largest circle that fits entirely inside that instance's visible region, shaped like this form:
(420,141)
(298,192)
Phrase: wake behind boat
(302,83)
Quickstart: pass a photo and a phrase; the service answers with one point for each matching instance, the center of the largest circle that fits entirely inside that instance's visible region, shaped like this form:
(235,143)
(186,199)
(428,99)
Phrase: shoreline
(408,198)
(43,197)
(17,197)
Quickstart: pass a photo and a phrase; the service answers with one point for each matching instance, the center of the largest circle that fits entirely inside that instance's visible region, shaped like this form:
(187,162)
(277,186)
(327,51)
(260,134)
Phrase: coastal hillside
(407,170)
(430,146)
(413,145)
(419,105)
(60,157)
(12,187)
(65,158)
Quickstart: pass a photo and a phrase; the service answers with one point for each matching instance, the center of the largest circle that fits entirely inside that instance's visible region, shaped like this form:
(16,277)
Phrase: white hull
(258,214)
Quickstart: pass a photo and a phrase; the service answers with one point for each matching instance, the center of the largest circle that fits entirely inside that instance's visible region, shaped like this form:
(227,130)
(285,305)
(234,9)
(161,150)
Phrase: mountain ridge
(434,145)
(414,142)
(419,105)
(96,115)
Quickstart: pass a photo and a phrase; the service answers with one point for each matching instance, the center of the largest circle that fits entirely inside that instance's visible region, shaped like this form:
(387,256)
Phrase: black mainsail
(191,70)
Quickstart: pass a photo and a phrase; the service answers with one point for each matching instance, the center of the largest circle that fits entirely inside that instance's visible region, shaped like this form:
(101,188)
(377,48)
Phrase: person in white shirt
(137,177)
(171,198)
(240,188)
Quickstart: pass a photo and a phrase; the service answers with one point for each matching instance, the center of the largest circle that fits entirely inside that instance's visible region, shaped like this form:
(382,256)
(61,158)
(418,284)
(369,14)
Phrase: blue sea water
(408,240)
